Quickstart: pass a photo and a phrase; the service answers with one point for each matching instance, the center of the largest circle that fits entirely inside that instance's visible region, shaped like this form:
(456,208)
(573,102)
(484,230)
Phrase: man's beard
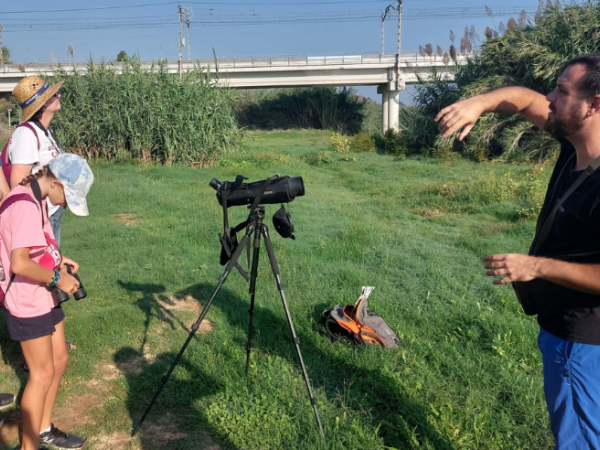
(562,127)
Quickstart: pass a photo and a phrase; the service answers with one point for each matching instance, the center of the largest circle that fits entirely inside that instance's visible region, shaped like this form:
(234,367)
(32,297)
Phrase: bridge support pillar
(385,107)
(394,110)
(390,103)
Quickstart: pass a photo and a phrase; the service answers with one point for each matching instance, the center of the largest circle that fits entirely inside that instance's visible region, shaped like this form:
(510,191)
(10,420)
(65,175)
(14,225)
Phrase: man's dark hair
(589,85)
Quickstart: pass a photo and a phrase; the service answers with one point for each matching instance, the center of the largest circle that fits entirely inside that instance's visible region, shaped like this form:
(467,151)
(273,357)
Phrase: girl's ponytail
(28,179)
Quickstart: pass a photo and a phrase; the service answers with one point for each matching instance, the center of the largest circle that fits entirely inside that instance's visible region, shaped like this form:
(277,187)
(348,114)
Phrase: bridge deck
(345,70)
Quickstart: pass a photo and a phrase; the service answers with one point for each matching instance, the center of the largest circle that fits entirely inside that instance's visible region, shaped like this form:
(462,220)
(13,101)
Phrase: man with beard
(559,280)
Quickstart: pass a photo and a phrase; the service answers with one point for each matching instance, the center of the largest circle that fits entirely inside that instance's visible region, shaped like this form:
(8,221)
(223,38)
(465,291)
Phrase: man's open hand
(461,115)
(511,267)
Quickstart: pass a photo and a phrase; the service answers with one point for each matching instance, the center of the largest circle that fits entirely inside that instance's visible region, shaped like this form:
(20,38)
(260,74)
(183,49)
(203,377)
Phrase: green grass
(468,375)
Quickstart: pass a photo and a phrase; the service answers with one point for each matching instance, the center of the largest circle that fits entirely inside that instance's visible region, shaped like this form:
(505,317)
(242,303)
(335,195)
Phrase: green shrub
(443,152)
(362,142)
(322,108)
(318,158)
(393,143)
(524,189)
(148,115)
(526,54)
(339,143)
(419,131)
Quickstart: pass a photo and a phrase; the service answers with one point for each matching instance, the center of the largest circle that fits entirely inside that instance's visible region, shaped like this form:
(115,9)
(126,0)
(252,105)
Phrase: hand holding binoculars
(60,296)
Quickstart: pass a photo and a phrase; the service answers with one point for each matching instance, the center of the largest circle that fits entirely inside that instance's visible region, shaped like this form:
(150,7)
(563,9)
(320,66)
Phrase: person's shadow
(175,421)
(332,373)
(12,360)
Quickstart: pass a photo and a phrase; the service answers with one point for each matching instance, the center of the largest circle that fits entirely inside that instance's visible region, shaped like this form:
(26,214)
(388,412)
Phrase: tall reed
(121,111)
(531,54)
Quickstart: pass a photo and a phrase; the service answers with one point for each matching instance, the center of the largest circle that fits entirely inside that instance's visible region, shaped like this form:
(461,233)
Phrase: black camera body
(60,296)
(237,193)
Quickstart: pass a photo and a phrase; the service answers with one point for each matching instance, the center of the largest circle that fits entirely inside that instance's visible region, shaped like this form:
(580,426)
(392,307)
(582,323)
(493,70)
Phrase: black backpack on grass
(358,324)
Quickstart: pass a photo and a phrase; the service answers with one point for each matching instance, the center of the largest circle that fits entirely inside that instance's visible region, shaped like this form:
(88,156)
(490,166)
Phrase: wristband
(55,279)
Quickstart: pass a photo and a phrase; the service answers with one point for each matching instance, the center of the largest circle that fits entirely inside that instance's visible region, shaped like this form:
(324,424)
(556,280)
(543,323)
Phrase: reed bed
(319,108)
(530,53)
(124,111)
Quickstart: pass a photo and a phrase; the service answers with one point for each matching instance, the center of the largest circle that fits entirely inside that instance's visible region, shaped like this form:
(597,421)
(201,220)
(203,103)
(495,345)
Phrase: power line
(219,3)
(253,20)
(145,5)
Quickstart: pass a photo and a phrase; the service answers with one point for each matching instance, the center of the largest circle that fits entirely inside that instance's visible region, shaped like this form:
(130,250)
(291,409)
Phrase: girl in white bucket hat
(30,264)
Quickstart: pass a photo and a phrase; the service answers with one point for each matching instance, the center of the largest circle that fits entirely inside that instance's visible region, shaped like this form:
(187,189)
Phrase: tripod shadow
(176,420)
(402,421)
(152,302)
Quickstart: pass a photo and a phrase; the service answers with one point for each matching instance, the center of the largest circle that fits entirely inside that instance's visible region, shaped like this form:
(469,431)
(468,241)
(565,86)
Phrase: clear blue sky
(38,30)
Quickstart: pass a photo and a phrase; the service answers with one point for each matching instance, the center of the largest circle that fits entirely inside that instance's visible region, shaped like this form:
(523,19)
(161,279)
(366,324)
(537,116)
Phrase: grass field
(468,375)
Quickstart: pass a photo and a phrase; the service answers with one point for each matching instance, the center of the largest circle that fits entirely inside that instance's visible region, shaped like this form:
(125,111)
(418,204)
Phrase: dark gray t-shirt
(575,237)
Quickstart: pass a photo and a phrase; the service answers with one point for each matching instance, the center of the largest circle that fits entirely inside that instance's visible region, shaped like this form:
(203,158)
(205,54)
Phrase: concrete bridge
(388,72)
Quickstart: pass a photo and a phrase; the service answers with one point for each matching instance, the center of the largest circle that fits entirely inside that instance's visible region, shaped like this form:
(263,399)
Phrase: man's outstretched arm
(509,100)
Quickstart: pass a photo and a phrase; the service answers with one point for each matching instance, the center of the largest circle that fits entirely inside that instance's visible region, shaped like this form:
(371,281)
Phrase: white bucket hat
(76,177)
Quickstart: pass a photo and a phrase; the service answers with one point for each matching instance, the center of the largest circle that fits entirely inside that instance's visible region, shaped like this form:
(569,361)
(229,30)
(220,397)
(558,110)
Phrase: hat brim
(30,110)
(76,203)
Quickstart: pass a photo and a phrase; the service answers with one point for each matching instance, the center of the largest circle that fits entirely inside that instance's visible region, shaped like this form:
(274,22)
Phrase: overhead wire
(220,3)
(13,25)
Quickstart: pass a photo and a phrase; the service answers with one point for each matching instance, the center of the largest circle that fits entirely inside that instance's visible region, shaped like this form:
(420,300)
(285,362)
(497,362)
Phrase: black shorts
(25,328)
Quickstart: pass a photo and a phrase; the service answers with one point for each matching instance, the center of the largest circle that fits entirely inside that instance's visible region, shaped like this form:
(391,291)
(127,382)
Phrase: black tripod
(254,225)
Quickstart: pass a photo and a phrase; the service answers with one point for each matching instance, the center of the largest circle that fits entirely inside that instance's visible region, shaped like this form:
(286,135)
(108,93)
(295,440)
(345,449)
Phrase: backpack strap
(32,128)
(9,201)
(547,226)
(35,187)
(14,198)
(12,278)
(5,154)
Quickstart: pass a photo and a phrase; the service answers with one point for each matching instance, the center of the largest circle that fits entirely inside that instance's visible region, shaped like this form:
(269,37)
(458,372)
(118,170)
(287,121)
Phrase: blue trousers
(55,223)
(572,389)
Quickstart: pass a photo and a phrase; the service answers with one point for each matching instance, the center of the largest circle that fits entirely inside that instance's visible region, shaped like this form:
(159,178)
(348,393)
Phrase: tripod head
(256,216)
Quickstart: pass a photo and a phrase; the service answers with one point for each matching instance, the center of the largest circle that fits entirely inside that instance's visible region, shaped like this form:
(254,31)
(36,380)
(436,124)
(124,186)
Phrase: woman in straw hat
(33,318)
(32,145)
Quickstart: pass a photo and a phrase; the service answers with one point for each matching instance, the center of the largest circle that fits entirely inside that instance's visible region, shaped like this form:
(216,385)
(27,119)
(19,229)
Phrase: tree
(122,56)
(5,55)
(521,53)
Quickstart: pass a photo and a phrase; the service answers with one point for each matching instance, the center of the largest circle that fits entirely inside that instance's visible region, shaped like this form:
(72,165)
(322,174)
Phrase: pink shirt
(21,227)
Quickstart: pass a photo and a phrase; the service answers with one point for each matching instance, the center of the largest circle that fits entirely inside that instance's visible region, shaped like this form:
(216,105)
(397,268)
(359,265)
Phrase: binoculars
(60,296)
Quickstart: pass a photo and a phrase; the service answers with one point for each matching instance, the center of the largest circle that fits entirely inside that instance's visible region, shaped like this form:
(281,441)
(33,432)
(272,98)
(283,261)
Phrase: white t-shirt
(23,149)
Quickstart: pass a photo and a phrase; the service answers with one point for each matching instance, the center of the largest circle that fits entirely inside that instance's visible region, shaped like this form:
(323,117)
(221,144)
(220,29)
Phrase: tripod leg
(230,265)
(253,273)
(275,269)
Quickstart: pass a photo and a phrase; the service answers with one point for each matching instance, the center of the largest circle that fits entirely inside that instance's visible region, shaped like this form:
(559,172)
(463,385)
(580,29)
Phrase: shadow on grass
(403,424)
(175,421)
(11,356)
(401,420)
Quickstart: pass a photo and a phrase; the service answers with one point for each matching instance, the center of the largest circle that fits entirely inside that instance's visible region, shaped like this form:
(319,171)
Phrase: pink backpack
(6,165)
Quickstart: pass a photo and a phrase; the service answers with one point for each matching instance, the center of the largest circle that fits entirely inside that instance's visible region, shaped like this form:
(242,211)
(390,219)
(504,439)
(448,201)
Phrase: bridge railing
(410,61)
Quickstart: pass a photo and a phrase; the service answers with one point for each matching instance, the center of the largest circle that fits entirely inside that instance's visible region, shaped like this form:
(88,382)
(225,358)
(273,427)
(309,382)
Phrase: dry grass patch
(126,219)
(74,413)
(428,213)
(118,440)
(9,433)
(156,436)
(69,416)
(186,303)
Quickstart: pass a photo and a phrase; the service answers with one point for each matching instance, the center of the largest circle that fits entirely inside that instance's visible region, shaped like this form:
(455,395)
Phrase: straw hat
(32,93)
